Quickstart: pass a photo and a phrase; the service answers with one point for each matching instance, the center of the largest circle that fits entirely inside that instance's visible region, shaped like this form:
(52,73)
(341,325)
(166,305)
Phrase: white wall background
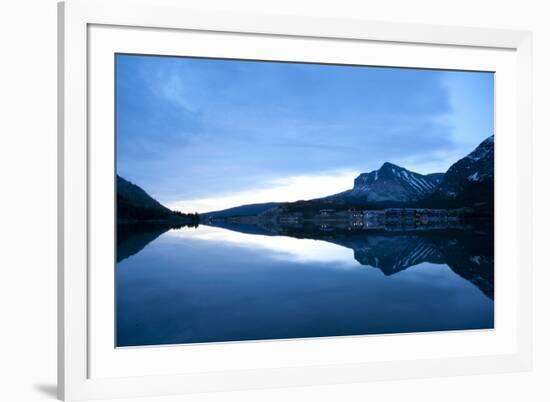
(28,198)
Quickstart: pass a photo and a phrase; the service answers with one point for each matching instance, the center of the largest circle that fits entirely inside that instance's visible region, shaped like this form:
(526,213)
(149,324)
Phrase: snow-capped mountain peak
(391,183)
(469,179)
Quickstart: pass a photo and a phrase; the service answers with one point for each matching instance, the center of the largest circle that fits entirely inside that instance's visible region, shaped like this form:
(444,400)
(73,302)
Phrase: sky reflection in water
(280,248)
(212,285)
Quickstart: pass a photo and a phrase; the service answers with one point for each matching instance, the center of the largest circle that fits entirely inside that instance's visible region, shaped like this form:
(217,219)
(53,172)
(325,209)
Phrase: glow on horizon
(287,189)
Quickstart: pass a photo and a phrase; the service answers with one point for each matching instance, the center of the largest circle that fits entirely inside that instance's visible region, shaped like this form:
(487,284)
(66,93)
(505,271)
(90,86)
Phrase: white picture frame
(77,378)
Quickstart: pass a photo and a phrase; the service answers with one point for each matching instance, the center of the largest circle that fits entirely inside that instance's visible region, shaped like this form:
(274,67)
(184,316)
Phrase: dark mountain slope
(134,204)
(470,181)
(136,195)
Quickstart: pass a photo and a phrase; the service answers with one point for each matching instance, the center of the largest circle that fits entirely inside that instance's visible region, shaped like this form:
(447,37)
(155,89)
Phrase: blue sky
(205,134)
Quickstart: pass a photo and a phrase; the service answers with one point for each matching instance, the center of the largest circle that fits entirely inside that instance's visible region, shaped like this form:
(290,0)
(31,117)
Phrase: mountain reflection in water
(220,282)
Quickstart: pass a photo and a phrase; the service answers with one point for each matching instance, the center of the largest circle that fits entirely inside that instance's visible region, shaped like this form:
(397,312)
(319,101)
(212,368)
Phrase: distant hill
(243,210)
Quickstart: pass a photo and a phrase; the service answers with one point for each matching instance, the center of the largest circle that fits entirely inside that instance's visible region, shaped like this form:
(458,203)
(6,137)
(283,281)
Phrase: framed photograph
(251,201)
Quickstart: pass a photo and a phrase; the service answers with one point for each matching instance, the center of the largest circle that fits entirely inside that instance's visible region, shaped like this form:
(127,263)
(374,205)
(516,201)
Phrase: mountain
(467,183)
(390,183)
(135,205)
(471,179)
(243,210)
(135,195)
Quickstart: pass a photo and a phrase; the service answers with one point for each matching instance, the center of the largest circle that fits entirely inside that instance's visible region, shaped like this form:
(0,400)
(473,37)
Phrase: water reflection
(281,248)
(241,282)
(132,238)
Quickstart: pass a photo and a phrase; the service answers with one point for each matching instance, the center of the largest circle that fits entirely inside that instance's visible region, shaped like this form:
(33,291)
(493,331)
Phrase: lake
(214,284)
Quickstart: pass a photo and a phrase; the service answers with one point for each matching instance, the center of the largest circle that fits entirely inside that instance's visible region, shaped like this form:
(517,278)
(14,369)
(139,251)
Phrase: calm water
(210,284)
